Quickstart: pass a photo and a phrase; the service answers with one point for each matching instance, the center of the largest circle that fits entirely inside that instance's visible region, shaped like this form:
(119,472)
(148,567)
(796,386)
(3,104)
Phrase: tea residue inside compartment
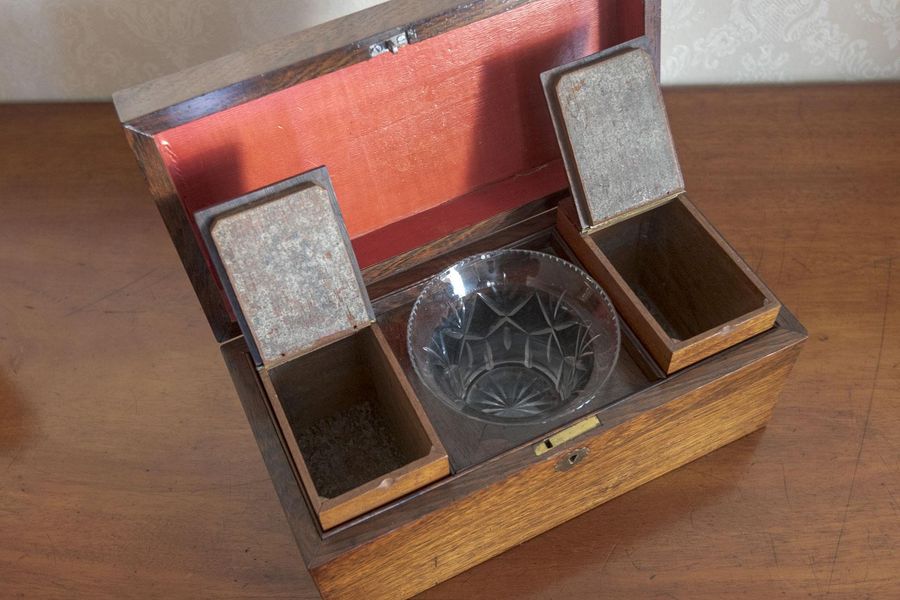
(349,448)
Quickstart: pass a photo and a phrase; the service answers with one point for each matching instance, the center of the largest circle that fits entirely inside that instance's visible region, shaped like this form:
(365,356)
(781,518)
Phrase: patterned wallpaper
(87,49)
(74,49)
(750,41)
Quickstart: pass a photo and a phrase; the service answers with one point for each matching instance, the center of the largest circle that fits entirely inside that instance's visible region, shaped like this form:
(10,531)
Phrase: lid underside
(613,132)
(459,123)
(285,259)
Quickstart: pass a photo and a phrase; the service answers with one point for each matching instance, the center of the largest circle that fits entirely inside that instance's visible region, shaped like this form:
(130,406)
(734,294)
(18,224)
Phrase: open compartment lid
(613,133)
(430,117)
(285,261)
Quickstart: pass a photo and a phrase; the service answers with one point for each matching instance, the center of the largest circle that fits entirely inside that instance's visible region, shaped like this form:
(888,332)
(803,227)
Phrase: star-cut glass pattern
(511,352)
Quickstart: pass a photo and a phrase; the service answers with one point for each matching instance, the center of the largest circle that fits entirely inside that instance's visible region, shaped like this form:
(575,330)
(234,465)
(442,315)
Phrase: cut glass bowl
(513,337)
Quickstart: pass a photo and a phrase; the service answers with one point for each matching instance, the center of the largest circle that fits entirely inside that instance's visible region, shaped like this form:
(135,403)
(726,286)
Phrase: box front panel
(581,476)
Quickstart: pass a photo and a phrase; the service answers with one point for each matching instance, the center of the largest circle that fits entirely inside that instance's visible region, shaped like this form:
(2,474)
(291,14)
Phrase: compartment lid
(285,261)
(613,132)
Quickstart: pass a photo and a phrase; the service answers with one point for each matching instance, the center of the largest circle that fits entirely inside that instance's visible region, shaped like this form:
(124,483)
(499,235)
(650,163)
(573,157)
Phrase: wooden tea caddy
(431,123)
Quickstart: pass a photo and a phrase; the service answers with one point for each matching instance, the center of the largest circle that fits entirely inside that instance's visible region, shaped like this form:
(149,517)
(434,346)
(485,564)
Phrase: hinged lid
(284,258)
(613,132)
(450,130)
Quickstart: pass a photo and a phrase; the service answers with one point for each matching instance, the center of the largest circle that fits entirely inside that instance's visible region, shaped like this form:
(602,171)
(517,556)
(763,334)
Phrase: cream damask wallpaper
(749,41)
(76,49)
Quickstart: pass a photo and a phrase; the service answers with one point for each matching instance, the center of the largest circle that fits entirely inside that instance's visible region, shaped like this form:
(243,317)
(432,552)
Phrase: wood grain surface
(127,468)
(514,510)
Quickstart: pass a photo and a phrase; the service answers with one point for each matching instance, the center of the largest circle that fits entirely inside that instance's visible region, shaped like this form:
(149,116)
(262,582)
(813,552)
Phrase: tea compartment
(355,430)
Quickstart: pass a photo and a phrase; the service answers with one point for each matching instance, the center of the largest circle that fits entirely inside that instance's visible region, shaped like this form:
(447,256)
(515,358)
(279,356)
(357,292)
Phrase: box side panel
(185,236)
(272,445)
(446,542)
